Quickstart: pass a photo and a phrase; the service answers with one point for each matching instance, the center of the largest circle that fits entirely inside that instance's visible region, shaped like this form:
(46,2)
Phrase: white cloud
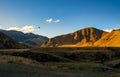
(49,20)
(57,21)
(14,28)
(25,29)
(108,30)
(28,29)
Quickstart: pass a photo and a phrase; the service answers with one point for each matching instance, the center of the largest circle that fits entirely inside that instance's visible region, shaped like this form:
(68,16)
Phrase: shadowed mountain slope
(7,43)
(27,38)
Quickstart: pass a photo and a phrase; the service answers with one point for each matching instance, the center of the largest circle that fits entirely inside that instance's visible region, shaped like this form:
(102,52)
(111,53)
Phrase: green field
(57,62)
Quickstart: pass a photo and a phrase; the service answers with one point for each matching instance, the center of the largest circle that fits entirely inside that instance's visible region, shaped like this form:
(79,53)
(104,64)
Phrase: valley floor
(15,70)
(60,62)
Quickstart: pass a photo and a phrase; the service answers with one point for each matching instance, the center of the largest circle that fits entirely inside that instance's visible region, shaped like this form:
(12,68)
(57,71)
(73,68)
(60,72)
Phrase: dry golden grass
(19,60)
(111,39)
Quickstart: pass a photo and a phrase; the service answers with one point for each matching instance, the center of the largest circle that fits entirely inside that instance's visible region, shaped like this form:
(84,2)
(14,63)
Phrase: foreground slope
(8,43)
(83,37)
(110,39)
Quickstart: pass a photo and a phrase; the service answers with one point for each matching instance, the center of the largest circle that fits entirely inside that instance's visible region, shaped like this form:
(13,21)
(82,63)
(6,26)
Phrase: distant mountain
(27,38)
(7,43)
(83,37)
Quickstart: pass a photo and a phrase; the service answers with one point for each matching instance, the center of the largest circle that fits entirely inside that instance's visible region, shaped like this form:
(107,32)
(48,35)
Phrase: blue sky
(56,17)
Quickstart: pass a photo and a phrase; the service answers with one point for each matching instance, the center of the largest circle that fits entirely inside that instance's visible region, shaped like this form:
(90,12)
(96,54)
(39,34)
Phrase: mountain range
(86,37)
(7,43)
(27,38)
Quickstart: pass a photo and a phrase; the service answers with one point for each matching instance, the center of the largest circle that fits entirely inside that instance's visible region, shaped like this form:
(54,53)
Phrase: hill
(7,43)
(83,37)
(27,38)
(110,39)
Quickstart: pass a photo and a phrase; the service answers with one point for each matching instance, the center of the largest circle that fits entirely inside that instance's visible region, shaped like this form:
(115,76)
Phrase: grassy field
(72,62)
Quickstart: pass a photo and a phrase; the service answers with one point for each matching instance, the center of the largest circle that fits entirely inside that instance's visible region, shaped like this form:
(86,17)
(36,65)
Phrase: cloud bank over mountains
(26,29)
(108,30)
